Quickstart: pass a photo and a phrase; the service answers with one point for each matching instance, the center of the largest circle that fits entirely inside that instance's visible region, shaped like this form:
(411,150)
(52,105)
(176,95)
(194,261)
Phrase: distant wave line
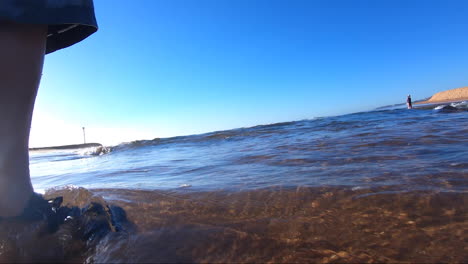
(75,146)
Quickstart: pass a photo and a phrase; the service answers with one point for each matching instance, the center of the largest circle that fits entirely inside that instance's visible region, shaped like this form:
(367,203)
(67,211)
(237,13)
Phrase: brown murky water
(322,225)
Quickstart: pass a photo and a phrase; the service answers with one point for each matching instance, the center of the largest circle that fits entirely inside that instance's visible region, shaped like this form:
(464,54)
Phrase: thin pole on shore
(84,136)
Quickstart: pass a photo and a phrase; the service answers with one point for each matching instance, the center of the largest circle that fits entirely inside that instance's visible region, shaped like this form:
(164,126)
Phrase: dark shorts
(69,21)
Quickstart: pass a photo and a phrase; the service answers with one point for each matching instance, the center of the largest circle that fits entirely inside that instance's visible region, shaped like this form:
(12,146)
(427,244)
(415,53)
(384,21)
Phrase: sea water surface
(377,186)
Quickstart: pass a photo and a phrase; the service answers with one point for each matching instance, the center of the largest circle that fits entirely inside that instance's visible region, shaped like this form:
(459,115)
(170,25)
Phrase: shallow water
(378,186)
(417,150)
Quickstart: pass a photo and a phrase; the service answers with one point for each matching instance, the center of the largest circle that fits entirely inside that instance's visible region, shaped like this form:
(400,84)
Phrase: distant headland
(76,146)
(453,95)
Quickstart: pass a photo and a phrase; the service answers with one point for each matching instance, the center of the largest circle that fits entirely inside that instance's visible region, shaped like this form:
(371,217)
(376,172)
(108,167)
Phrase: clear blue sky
(159,68)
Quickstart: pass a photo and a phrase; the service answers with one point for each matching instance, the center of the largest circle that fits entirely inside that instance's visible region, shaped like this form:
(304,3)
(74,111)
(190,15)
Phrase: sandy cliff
(458,94)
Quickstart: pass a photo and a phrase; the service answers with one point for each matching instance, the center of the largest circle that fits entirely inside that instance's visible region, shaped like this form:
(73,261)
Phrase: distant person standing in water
(408,102)
(29,29)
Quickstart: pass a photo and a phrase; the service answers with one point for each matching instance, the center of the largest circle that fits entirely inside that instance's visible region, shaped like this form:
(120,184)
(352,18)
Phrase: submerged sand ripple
(303,225)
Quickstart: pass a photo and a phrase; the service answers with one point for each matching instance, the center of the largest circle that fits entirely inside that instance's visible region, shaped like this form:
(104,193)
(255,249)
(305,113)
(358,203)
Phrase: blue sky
(160,68)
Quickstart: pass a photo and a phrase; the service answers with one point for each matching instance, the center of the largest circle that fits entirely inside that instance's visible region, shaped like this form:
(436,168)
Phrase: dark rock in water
(51,232)
(95,222)
(119,219)
(448,109)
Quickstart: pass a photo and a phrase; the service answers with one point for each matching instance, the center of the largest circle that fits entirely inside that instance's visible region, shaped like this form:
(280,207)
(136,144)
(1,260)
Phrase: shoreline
(74,146)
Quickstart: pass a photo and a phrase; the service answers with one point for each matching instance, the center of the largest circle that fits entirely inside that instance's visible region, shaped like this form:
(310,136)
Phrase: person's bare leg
(22,49)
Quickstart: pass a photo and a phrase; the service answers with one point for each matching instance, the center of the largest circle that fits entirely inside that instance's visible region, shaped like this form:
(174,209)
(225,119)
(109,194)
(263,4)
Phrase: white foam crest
(459,105)
(94,151)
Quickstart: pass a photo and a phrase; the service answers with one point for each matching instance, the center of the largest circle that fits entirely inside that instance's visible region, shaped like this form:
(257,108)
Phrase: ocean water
(388,185)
